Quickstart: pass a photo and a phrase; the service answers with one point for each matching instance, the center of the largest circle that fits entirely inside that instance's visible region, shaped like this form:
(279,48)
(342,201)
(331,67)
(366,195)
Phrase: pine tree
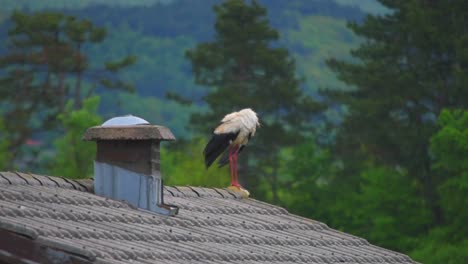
(243,67)
(45,66)
(412,64)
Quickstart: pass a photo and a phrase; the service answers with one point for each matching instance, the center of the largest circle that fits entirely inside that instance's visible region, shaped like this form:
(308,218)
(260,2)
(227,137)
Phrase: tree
(306,173)
(412,64)
(244,68)
(386,198)
(74,157)
(46,65)
(449,147)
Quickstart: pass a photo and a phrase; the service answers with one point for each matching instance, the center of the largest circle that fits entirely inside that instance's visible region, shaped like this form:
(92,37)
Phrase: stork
(230,137)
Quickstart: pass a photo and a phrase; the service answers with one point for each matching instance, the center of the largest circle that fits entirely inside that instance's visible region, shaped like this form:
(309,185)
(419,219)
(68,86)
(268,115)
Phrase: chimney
(127,162)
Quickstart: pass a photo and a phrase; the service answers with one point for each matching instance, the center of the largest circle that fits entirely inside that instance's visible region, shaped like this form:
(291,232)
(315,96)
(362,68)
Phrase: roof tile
(28,178)
(13,178)
(43,180)
(62,182)
(223,192)
(187,191)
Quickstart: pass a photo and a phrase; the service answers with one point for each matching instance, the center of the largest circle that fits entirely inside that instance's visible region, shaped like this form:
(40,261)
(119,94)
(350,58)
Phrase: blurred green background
(363,104)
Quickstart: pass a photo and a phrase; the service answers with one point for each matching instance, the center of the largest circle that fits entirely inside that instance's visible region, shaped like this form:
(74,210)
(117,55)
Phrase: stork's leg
(236,175)
(236,169)
(232,166)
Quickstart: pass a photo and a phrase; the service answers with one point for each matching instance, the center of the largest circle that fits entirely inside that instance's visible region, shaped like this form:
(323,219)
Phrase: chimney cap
(126,120)
(128,128)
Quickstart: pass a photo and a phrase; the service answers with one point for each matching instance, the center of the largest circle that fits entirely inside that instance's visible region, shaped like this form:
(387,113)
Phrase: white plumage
(230,137)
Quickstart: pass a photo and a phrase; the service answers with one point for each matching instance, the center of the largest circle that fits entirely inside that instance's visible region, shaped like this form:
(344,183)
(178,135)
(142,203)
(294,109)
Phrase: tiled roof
(213,226)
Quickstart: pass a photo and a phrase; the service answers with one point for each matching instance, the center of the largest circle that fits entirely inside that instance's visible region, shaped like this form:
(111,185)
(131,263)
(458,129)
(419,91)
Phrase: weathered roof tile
(13,178)
(43,180)
(28,178)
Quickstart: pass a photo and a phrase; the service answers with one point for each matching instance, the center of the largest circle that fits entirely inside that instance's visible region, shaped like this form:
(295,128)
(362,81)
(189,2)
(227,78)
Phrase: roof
(213,226)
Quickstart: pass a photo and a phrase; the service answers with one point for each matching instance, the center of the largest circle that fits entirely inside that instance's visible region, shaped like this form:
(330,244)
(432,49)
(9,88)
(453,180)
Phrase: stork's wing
(228,125)
(229,117)
(217,144)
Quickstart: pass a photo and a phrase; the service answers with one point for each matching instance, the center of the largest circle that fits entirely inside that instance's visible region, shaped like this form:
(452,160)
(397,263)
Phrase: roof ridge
(87,185)
(20,178)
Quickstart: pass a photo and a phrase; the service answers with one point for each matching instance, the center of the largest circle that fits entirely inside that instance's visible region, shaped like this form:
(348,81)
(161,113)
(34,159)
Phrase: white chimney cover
(128,120)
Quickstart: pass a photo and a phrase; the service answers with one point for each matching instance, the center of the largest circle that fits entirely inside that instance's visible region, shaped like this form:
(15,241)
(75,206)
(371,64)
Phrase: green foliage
(412,197)
(74,157)
(450,143)
(160,67)
(305,174)
(5,156)
(450,149)
(46,65)
(402,85)
(114,66)
(375,209)
(388,198)
(183,165)
(438,247)
(321,38)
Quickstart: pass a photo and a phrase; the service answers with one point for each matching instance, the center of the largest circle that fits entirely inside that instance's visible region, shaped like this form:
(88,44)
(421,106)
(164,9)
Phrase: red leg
(231,166)
(236,171)
(236,175)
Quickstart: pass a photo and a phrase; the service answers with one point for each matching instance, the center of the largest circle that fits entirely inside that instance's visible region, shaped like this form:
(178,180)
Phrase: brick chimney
(127,162)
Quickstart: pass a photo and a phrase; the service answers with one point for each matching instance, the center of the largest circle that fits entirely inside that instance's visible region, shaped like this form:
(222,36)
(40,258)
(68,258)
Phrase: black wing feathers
(217,144)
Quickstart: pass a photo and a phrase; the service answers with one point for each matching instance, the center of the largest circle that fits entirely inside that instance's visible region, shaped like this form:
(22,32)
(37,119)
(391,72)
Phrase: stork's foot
(237,185)
(239,190)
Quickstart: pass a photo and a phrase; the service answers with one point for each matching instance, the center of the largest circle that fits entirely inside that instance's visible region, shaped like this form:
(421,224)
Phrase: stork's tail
(217,145)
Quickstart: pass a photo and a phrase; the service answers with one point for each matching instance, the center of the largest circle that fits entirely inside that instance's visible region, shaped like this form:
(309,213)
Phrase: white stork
(230,137)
